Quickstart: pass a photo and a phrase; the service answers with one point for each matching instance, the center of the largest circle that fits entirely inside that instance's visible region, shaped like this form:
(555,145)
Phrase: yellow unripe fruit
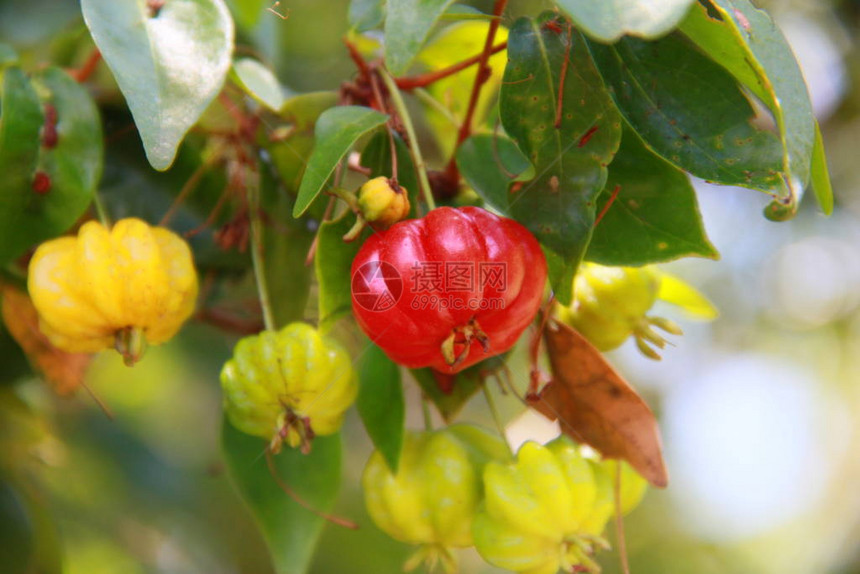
(123,287)
(382,202)
(546,511)
(288,386)
(434,495)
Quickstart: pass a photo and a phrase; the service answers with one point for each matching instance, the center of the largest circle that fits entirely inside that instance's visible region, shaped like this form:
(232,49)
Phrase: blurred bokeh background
(760,410)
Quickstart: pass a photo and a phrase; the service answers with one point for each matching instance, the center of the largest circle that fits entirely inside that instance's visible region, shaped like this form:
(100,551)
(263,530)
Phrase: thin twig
(258,254)
(619,522)
(417,159)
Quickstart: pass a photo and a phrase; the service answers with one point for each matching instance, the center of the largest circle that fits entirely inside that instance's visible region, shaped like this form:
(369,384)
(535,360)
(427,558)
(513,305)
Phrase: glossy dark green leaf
(290,530)
(332,262)
(655,216)
(407,26)
(20,121)
(366,15)
(745,41)
(489,164)
(376,156)
(820,176)
(67,164)
(380,403)
(259,82)
(290,153)
(337,130)
(608,20)
(690,111)
(570,150)
(169,64)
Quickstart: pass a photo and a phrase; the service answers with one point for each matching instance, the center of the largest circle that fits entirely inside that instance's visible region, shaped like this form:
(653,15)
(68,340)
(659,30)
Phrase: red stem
(83,73)
(411,82)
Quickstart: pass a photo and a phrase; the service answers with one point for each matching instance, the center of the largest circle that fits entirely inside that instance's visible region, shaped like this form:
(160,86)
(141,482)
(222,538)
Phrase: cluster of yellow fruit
(458,487)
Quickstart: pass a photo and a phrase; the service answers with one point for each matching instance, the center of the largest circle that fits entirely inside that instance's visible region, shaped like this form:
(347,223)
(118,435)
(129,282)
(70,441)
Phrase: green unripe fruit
(382,202)
(432,498)
(288,386)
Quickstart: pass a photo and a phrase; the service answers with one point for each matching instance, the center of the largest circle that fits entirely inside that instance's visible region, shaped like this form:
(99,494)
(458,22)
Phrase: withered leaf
(63,371)
(595,405)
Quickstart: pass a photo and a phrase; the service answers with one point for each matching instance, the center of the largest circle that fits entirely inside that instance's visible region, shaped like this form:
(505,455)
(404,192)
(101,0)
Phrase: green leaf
(20,121)
(376,156)
(489,164)
(690,111)
(248,12)
(450,392)
(366,15)
(332,262)
(337,130)
(68,164)
(259,82)
(290,530)
(748,44)
(169,65)
(820,175)
(380,403)
(406,29)
(678,292)
(570,158)
(451,94)
(655,216)
(608,20)
(286,242)
(290,154)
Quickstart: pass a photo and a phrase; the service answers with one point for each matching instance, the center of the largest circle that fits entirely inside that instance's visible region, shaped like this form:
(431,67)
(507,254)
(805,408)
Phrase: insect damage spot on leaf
(595,405)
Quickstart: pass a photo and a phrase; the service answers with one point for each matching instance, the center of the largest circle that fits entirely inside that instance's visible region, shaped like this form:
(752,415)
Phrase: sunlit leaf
(745,41)
(678,292)
(169,63)
(570,143)
(654,217)
(380,403)
(608,20)
(259,82)
(820,177)
(595,405)
(452,93)
(336,132)
(291,531)
(407,26)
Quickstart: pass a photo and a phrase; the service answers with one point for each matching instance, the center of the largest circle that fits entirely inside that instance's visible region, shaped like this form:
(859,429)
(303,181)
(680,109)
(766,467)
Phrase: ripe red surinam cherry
(448,290)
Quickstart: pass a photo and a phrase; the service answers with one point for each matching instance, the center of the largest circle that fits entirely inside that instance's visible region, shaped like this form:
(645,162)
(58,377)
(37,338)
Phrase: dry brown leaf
(595,405)
(63,371)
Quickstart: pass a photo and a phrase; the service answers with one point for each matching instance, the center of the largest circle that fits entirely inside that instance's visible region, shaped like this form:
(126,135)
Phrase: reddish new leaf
(595,405)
